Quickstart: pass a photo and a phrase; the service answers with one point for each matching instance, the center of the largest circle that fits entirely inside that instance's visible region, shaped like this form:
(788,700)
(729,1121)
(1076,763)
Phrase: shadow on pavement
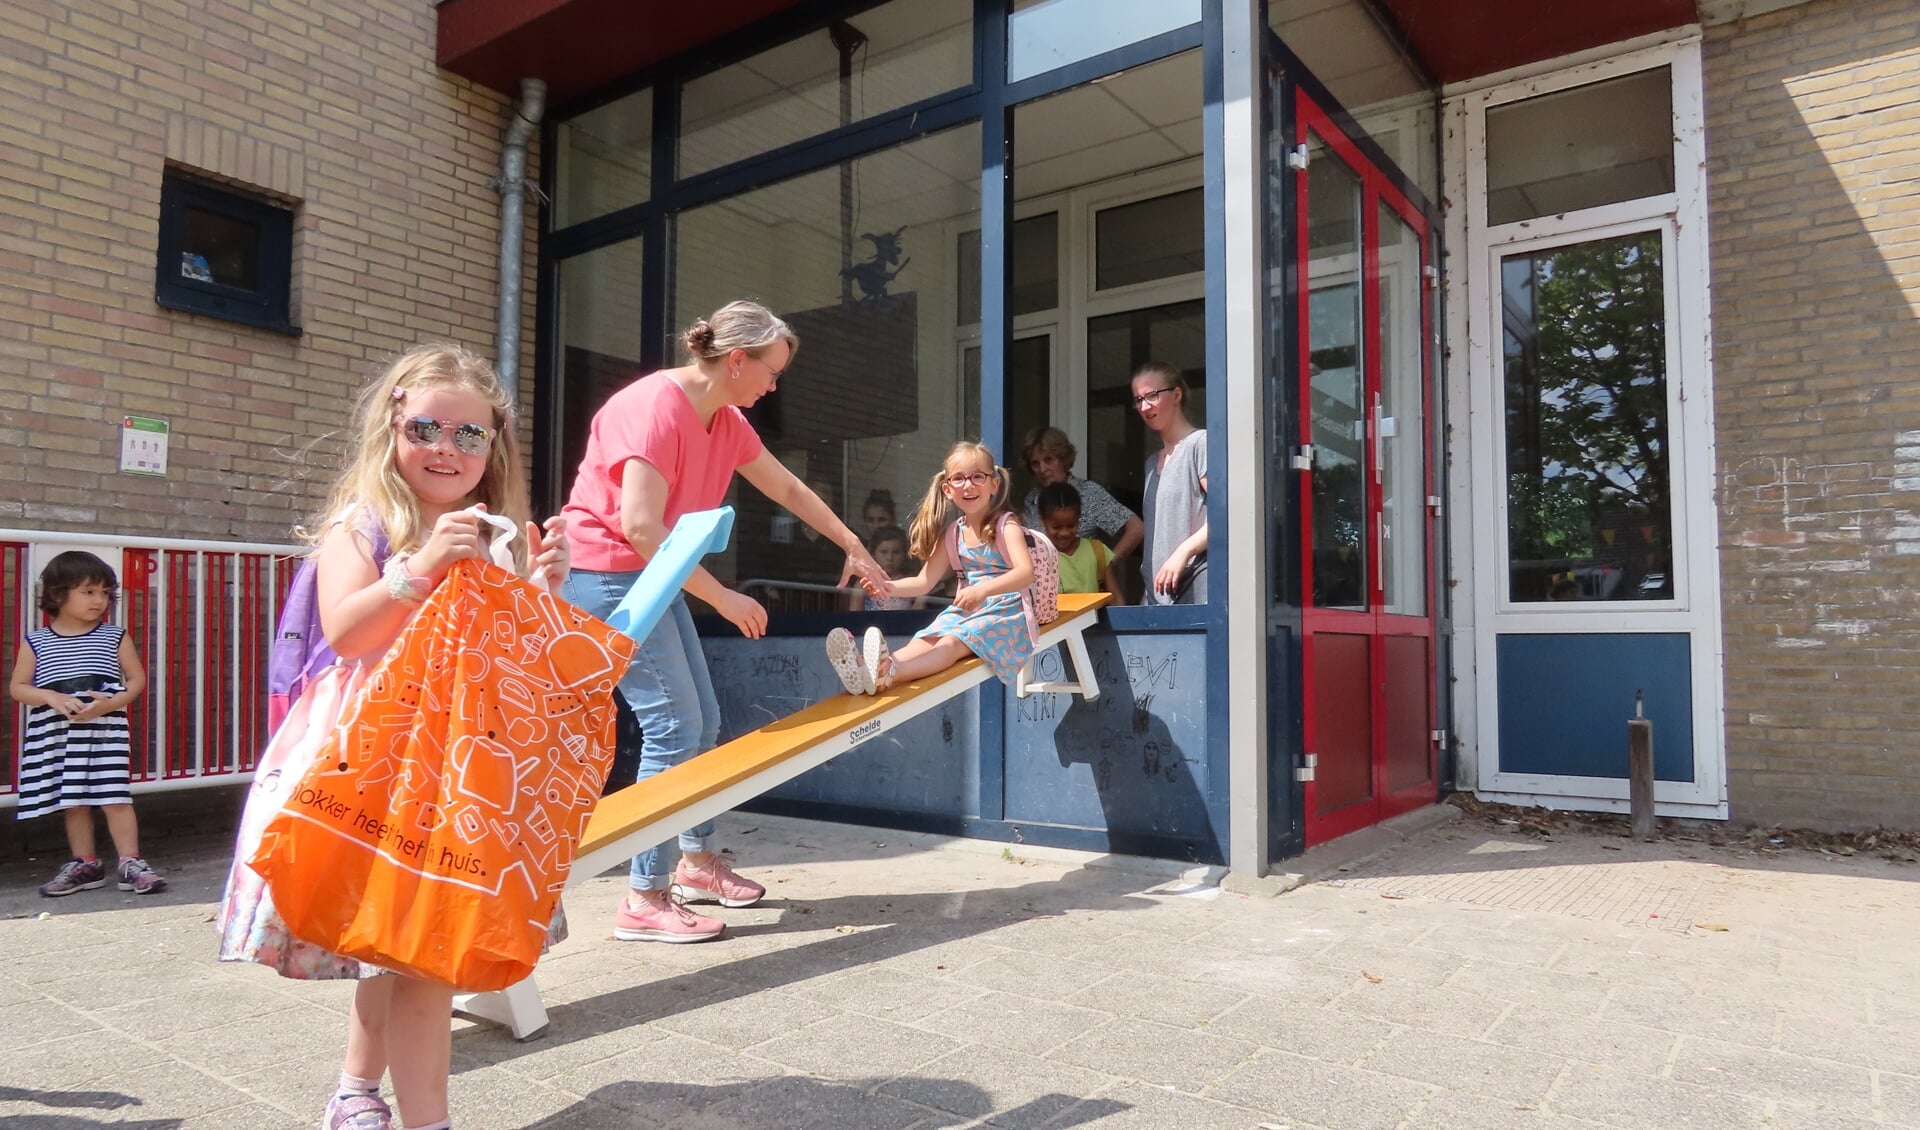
(801,1103)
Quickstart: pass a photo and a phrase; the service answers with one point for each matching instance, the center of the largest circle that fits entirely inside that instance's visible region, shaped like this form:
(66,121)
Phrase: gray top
(1101,514)
(1176,505)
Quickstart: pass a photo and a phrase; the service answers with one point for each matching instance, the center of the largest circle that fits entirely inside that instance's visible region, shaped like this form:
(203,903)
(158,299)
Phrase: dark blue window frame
(266,304)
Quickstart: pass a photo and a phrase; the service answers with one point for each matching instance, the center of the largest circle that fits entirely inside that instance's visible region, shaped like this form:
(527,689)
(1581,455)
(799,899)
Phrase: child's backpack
(300,648)
(1041,599)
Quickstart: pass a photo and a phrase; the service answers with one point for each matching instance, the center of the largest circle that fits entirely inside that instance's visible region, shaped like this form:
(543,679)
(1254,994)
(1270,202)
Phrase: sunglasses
(425,431)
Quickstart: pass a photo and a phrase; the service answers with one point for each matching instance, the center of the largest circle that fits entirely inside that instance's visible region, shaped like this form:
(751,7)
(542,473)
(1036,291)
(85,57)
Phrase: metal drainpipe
(513,182)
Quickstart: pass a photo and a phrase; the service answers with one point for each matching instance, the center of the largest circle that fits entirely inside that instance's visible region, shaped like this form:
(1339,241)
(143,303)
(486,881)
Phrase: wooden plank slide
(654,811)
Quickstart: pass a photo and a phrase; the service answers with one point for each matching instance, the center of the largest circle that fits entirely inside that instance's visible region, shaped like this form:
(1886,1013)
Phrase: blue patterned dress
(997,630)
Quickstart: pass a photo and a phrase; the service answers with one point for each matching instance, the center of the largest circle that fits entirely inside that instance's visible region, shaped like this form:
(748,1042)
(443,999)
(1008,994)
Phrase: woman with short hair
(1049,455)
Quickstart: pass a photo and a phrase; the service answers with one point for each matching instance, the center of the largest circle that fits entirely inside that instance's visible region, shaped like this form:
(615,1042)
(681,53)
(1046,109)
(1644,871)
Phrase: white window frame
(1079,302)
(1483,611)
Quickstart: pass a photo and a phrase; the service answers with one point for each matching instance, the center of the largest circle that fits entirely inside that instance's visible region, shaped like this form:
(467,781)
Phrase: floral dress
(997,630)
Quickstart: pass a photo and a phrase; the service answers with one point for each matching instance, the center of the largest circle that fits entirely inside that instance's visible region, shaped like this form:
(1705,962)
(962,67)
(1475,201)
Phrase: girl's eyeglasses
(1153,397)
(969,479)
(425,431)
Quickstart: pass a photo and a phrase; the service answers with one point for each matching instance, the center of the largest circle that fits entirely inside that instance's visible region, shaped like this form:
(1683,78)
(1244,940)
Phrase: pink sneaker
(659,917)
(717,881)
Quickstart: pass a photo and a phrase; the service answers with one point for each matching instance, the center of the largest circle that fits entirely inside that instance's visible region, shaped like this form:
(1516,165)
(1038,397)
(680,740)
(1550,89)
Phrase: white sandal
(878,657)
(844,654)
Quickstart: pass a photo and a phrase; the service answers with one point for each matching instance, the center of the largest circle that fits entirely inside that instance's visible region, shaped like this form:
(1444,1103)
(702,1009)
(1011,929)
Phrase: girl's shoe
(137,877)
(80,875)
(361,1112)
(845,657)
(878,660)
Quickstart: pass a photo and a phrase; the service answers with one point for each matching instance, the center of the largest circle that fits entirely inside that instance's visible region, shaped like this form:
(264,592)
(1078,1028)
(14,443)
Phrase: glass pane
(874,61)
(1580,148)
(1589,512)
(1336,384)
(604,159)
(1028,393)
(870,400)
(599,321)
(1117,344)
(1343,45)
(1151,239)
(218,248)
(1036,268)
(1402,427)
(1044,34)
(1120,125)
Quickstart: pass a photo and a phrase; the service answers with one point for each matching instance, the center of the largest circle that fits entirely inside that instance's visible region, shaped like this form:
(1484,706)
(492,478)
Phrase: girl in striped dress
(77,675)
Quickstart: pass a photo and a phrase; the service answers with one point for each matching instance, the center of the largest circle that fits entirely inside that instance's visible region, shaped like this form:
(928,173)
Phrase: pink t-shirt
(651,419)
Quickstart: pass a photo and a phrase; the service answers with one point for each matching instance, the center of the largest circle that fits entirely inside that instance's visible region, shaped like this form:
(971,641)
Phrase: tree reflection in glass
(1589,513)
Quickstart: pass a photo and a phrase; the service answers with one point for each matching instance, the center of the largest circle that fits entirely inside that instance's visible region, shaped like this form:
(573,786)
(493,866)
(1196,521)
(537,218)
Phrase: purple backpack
(300,648)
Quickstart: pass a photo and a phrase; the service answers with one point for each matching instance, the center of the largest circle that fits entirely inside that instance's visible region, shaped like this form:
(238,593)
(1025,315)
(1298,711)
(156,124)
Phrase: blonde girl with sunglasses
(431,438)
(986,617)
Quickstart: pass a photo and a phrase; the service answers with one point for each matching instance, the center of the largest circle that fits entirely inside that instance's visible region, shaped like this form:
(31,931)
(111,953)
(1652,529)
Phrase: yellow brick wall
(333,104)
(1813,131)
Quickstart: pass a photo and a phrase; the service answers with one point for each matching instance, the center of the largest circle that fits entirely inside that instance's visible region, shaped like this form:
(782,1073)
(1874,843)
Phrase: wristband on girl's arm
(402,585)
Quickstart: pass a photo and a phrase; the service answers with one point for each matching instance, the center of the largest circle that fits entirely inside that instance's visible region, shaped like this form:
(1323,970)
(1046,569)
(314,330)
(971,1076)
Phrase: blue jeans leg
(671,693)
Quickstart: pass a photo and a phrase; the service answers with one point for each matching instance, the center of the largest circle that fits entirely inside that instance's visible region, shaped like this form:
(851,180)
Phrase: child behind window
(1083,561)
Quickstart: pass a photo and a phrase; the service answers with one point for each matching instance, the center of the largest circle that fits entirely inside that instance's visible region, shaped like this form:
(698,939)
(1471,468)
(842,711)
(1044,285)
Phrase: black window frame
(266,306)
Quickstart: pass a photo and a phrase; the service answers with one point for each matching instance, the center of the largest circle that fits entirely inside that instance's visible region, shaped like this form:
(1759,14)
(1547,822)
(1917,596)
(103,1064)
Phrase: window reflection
(1589,513)
(1045,34)
(1336,384)
(868,402)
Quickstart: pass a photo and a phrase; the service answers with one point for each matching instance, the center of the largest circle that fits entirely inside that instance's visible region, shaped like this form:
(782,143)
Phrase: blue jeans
(671,694)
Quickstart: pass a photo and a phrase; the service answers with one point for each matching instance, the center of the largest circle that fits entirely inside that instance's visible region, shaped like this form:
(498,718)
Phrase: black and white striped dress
(68,764)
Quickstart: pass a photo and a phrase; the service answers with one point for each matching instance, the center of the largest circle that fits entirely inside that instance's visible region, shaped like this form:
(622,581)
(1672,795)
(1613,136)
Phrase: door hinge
(1433,505)
(1305,772)
(1297,157)
(1432,274)
(1303,459)
(1440,738)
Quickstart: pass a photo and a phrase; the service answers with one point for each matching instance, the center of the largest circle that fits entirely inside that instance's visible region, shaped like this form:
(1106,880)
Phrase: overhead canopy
(579,45)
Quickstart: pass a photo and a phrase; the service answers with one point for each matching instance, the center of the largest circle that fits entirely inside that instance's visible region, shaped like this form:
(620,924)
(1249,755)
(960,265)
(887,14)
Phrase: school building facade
(1552,362)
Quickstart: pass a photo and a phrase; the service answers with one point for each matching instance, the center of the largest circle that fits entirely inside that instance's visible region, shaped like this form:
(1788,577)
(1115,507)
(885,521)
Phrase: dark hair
(1057,496)
(881,496)
(887,533)
(68,571)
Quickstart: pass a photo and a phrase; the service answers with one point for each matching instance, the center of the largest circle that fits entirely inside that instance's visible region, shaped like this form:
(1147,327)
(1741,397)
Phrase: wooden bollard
(1640,770)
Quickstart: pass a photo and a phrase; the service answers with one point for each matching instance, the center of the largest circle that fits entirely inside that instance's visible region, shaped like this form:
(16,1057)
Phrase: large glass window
(1589,510)
(604,159)
(852,69)
(599,315)
(1045,34)
(868,403)
(1580,148)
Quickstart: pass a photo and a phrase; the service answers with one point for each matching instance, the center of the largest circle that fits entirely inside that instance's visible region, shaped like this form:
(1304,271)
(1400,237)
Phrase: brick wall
(333,104)
(1813,119)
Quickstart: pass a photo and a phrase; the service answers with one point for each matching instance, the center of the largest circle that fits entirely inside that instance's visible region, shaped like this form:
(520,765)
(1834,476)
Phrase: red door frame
(1374,622)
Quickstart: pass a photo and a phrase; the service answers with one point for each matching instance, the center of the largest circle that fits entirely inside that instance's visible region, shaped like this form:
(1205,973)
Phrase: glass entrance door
(1367,624)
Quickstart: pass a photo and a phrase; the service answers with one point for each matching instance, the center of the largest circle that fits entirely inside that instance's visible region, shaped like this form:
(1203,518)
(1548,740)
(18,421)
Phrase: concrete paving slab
(911,981)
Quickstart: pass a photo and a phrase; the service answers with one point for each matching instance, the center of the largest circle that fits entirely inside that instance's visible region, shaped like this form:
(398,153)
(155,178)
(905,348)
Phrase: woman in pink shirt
(664,446)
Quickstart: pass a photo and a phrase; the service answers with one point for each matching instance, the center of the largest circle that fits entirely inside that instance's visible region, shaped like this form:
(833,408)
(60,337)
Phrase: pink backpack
(1041,599)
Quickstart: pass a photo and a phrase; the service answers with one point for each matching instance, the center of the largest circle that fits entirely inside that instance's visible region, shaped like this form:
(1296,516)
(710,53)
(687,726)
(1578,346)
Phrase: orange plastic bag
(433,833)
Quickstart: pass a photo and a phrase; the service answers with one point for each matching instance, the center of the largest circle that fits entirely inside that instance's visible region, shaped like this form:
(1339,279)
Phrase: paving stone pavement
(1469,978)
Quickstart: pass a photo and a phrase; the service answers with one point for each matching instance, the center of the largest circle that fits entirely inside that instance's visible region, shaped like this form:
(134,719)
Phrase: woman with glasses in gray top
(1175,564)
